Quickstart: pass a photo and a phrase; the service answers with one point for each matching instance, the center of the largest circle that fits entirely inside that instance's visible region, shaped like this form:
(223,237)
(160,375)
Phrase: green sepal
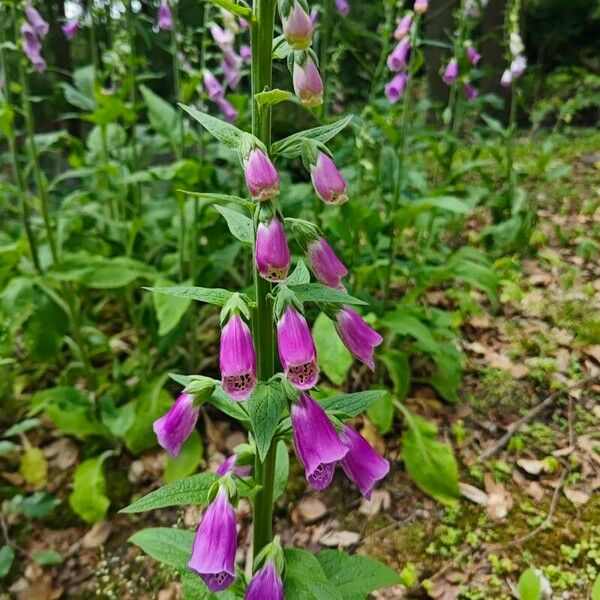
(201,388)
(234,305)
(285,297)
(304,231)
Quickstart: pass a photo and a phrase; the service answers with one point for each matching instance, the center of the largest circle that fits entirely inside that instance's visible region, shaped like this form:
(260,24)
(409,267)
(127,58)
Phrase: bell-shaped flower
(297,27)
(176,426)
(328,182)
(473,56)
(403,27)
(327,267)
(227,110)
(213,554)
(222,37)
(421,6)
(506,78)
(318,445)
(164,19)
(272,251)
(32,47)
(266,584)
(360,338)
(518,66)
(213,87)
(397,60)
(343,7)
(471,92)
(231,65)
(70,29)
(229,466)
(261,176)
(450,72)
(40,26)
(394,90)
(297,350)
(246,53)
(308,85)
(237,359)
(362,465)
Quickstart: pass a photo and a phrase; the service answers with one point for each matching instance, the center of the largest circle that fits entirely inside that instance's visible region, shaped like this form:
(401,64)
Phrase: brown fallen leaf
(593,351)
(380,500)
(500,501)
(311,510)
(97,535)
(340,539)
(532,488)
(576,496)
(531,466)
(472,493)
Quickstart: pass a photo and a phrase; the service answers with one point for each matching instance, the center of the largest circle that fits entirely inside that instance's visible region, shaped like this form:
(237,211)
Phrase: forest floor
(533,502)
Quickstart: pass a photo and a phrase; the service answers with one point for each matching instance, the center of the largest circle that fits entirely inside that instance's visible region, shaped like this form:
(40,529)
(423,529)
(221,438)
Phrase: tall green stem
(136,192)
(262,67)
(324,56)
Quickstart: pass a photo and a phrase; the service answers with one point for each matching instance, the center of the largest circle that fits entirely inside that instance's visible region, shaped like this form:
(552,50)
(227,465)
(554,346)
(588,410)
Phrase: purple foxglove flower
(362,465)
(506,78)
(175,427)
(243,23)
(36,21)
(518,66)
(227,110)
(397,59)
(237,359)
(213,555)
(265,585)
(471,92)
(451,72)
(343,7)
(222,37)
(327,267)
(231,69)
(32,47)
(421,6)
(328,182)
(394,90)
(358,337)
(261,176)
(403,28)
(246,53)
(229,466)
(308,85)
(314,16)
(272,251)
(297,351)
(212,86)
(318,445)
(70,29)
(297,27)
(473,56)
(164,19)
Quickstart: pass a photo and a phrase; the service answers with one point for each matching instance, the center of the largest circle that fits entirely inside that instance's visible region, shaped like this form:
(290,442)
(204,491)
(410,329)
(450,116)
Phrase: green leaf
(77,99)
(240,225)
(118,419)
(430,463)
(282,470)
(7,556)
(224,403)
(448,203)
(22,427)
(381,413)
(334,358)
(317,292)
(33,468)
(265,407)
(299,275)
(39,504)
(7,447)
(214,198)
(169,310)
(229,5)
(530,587)
(162,116)
(305,578)
(355,577)
(226,133)
(216,296)
(272,97)
(398,368)
(403,323)
(169,546)
(191,490)
(188,460)
(88,498)
(596,589)
(47,557)
(351,405)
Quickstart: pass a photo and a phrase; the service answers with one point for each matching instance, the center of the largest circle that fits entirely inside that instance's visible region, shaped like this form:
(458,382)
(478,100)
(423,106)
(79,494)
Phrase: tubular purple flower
(506,78)
(297,350)
(297,27)
(246,53)
(308,85)
(32,47)
(164,19)
(222,37)
(40,26)
(451,72)
(265,585)
(272,251)
(213,554)
(328,182)
(394,90)
(362,465)
(176,426)
(358,337)
(397,59)
(237,359)
(343,7)
(404,25)
(421,6)
(471,92)
(70,29)
(518,66)
(473,56)
(227,110)
(318,445)
(229,466)
(213,88)
(261,176)
(327,267)
(230,65)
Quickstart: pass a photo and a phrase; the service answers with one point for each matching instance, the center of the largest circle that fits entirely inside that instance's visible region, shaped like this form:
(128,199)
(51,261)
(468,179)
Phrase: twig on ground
(462,554)
(517,425)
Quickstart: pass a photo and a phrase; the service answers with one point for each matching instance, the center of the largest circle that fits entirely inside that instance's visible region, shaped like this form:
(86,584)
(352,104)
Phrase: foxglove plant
(275,406)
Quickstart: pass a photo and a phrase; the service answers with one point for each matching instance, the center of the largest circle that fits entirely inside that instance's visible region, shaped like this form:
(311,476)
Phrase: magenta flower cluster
(33,30)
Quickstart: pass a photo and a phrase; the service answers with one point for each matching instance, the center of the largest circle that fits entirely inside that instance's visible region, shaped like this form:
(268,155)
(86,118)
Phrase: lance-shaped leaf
(227,134)
(317,292)
(216,296)
(265,407)
(169,546)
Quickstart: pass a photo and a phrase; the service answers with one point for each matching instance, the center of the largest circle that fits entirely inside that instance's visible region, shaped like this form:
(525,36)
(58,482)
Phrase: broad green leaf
(169,310)
(169,546)
(355,577)
(449,203)
(305,578)
(272,97)
(33,468)
(381,413)
(7,447)
(216,296)
(88,498)
(77,99)
(299,275)
(118,419)
(191,490)
(21,427)
(210,198)
(240,225)
(351,405)
(282,470)
(39,504)
(7,556)
(226,133)
(265,407)
(47,557)
(224,403)
(431,464)
(404,323)
(596,589)
(317,292)
(398,369)
(530,587)
(162,116)
(188,460)
(334,358)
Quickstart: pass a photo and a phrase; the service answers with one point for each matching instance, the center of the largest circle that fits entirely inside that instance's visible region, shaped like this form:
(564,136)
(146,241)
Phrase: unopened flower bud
(308,85)
(328,182)
(261,176)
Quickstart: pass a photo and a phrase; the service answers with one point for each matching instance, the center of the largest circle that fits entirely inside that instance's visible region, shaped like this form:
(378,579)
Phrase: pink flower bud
(272,251)
(261,176)
(297,27)
(222,37)
(397,59)
(518,66)
(213,88)
(343,7)
(70,29)
(165,18)
(308,85)
(246,52)
(266,584)
(327,267)
(421,6)
(473,56)
(451,72)
(471,92)
(175,427)
(328,182)
(237,359)
(403,28)
(394,90)
(360,338)
(506,78)
(227,110)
